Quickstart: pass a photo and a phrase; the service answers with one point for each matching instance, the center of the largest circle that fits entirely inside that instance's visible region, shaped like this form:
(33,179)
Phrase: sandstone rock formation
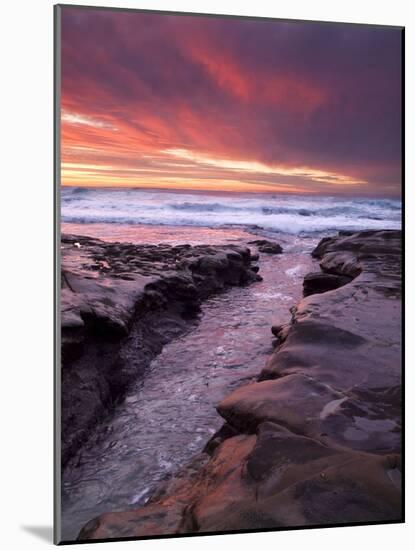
(317,439)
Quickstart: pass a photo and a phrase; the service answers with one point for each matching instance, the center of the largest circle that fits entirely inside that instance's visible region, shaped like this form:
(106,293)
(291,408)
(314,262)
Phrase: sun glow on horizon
(259,167)
(187,169)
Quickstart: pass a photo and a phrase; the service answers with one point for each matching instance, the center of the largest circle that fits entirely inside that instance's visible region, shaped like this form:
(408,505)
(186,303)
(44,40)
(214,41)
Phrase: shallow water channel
(169,414)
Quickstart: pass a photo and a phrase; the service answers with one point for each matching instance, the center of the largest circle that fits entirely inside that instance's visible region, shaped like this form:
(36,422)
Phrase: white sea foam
(294,271)
(294,214)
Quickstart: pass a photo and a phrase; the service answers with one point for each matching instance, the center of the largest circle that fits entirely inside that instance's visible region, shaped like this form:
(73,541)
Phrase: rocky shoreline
(120,304)
(317,439)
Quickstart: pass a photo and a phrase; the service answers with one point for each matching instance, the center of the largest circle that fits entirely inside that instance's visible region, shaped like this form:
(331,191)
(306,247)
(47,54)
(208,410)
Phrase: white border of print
(26,274)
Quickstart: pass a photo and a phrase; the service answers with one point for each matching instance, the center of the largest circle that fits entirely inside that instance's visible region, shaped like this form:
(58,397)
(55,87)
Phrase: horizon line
(231,192)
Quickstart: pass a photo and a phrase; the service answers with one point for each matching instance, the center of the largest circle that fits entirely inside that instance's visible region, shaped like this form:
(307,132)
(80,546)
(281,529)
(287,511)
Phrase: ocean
(299,215)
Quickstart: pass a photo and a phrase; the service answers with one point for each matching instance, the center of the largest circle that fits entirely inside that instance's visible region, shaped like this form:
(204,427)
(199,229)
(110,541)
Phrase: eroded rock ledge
(120,304)
(317,439)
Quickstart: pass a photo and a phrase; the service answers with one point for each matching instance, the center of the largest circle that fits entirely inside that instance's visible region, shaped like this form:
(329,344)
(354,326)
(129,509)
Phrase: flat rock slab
(295,401)
(350,339)
(289,480)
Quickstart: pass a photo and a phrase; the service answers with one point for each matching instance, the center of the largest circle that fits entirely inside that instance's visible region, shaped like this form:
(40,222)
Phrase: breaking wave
(294,214)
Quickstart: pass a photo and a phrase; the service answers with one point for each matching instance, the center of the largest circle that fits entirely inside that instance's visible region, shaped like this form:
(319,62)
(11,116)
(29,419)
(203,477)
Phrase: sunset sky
(184,102)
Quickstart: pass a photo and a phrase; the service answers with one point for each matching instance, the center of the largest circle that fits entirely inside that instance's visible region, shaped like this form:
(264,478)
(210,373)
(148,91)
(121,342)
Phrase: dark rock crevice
(120,308)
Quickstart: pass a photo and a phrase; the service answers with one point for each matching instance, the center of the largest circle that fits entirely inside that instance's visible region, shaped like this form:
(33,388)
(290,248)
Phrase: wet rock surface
(317,439)
(120,303)
(267,247)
